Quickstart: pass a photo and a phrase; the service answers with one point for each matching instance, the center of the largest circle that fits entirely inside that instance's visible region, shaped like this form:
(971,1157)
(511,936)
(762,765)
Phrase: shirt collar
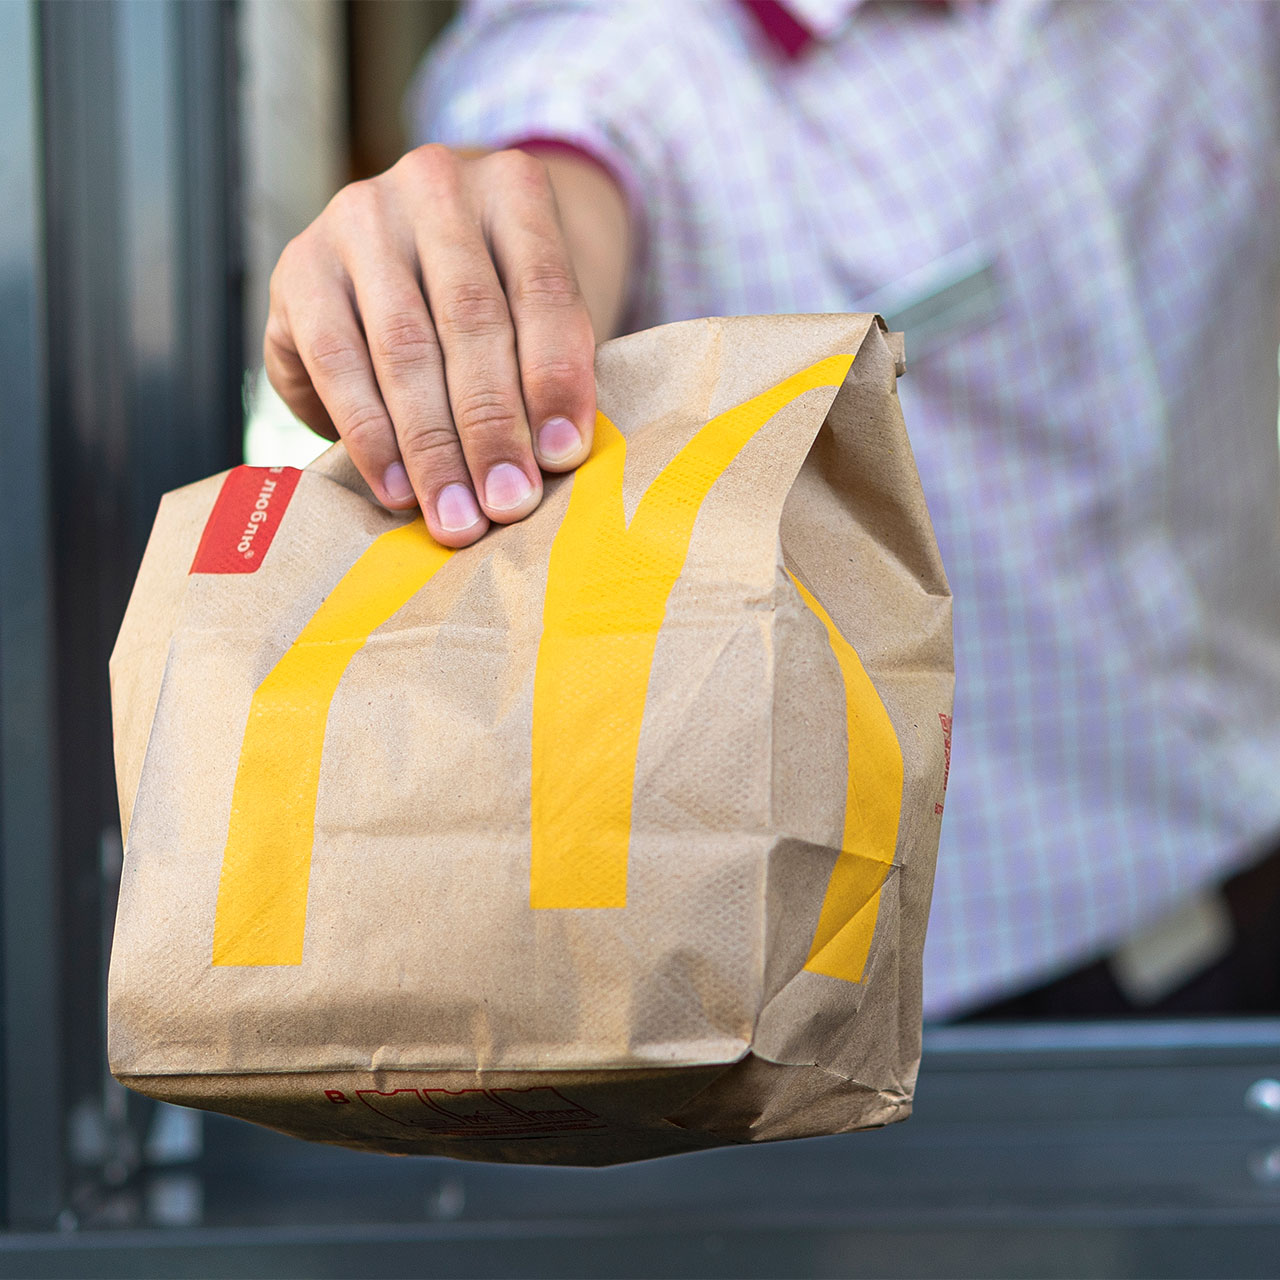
(822,18)
(793,27)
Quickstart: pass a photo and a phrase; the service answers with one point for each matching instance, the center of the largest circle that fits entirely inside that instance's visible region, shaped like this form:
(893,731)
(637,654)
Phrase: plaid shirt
(1072,209)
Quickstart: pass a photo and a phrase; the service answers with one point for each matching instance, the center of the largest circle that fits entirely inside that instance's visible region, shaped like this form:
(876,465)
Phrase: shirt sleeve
(586,75)
(678,100)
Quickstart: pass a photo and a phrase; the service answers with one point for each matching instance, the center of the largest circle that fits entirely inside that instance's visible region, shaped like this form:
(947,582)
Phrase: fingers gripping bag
(607,837)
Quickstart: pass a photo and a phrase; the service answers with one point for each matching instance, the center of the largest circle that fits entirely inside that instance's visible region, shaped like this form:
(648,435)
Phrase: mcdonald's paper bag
(610,836)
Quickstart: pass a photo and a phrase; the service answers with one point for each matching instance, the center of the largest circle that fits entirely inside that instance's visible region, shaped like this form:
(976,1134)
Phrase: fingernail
(456,508)
(506,487)
(558,440)
(396,482)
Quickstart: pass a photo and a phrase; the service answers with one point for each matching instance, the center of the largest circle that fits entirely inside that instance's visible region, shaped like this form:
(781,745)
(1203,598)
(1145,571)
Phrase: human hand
(431,318)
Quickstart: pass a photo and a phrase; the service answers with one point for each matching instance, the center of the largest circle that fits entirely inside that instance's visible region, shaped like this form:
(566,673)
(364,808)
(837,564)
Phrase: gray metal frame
(1088,1150)
(32,1102)
(120,367)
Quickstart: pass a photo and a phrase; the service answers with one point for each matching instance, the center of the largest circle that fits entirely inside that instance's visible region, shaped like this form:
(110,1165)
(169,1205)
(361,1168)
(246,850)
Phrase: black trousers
(1244,981)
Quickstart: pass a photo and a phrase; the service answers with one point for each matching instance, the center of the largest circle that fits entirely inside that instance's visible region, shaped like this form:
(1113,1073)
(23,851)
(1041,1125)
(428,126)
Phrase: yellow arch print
(607,590)
(872,808)
(266,867)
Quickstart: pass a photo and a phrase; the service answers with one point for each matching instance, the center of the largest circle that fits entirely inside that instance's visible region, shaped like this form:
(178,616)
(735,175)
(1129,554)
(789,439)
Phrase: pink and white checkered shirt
(1072,210)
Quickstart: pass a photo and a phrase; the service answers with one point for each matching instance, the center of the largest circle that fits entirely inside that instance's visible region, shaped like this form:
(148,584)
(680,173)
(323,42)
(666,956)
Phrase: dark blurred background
(155,157)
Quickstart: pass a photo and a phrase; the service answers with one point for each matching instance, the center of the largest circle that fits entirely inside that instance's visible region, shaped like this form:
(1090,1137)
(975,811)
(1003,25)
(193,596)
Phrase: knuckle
(334,355)
(405,339)
(526,179)
(486,414)
(434,165)
(520,166)
(430,449)
(431,157)
(553,378)
(285,371)
(547,285)
(473,311)
(353,201)
(277,341)
(364,427)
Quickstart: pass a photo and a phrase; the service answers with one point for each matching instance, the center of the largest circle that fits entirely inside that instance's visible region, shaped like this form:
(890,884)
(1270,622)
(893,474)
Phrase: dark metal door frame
(120,363)
(30,1119)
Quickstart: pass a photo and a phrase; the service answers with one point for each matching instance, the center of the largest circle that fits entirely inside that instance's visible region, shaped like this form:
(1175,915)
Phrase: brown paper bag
(610,836)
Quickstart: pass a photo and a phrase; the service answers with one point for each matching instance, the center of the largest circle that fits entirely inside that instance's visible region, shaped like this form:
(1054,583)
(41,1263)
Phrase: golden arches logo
(607,589)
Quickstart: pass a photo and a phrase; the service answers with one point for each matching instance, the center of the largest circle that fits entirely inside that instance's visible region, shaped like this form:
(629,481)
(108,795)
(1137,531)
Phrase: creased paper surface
(609,836)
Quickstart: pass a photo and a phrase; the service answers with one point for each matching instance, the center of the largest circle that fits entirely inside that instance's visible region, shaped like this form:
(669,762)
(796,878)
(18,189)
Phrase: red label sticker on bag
(244,519)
